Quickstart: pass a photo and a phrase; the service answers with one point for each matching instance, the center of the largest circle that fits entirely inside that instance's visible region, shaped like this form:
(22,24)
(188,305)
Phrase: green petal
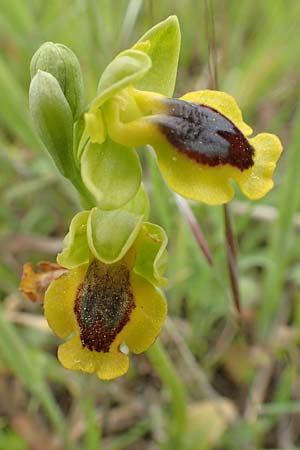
(76,249)
(164,50)
(139,204)
(111,172)
(112,233)
(151,262)
(53,120)
(127,68)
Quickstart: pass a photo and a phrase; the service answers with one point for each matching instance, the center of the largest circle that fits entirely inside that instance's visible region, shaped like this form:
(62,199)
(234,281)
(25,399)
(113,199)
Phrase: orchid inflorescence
(103,294)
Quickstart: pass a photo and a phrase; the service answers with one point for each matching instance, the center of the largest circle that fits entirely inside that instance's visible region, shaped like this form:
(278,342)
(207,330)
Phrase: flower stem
(195,227)
(211,42)
(232,258)
(86,198)
(229,233)
(168,374)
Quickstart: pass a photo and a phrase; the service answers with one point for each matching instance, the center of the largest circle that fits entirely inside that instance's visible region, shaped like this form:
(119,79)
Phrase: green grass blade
(282,234)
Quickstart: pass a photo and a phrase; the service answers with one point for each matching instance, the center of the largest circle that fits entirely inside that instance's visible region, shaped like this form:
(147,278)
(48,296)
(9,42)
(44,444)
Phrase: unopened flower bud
(62,63)
(53,120)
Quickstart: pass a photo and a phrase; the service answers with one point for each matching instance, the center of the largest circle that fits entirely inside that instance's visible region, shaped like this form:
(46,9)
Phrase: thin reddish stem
(231,247)
(195,227)
(232,258)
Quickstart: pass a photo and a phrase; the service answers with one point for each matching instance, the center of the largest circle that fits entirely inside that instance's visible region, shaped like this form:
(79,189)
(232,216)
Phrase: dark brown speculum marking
(205,135)
(103,304)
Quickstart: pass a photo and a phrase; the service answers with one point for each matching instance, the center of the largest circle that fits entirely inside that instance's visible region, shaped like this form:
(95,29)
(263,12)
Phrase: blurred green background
(236,381)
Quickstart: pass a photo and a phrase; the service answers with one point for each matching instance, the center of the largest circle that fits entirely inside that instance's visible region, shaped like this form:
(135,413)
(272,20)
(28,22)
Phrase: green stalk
(168,374)
(87,200)
(92,438)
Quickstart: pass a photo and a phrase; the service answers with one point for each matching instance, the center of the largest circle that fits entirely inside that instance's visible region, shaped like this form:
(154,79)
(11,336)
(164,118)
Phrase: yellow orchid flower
(108,294)
(99,307)
(201,142)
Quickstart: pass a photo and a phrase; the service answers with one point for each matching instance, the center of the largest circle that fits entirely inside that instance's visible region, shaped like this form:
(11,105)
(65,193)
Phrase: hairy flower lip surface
(103,304)
(205,135)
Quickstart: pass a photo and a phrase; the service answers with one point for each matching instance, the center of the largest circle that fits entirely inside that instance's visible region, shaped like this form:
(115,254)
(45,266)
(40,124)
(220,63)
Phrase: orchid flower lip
(103,304)
(204,134)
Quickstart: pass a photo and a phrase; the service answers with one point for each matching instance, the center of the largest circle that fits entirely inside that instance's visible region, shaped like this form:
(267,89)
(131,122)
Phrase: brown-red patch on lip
(103,304)
(205,135)
(35,283)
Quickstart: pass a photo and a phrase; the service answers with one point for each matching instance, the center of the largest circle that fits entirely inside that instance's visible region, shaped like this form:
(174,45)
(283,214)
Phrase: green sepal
(152,257)
(112,233)
(53,120)
(126,69)
(81,138)
(111,172)
(63,64)
(139,204)
(75,245)
(164,51)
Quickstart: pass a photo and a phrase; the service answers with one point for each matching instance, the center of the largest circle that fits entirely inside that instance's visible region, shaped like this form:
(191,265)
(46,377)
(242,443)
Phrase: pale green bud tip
(62,63)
